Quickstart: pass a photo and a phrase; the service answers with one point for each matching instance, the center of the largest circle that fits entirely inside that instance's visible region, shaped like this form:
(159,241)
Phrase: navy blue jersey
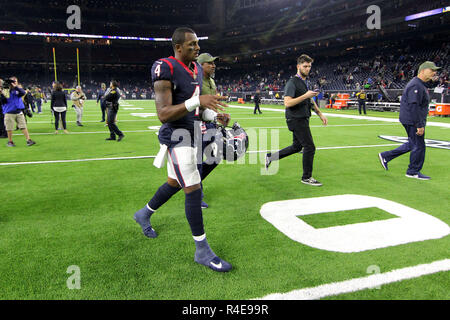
(185,85)
(414,103)
(100,94)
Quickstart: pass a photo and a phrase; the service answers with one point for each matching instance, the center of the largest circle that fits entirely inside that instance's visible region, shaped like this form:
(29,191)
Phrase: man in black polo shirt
(298,102)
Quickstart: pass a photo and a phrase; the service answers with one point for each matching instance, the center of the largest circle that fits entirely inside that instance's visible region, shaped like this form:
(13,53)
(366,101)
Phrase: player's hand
(223,118)
(213,102)
(324,119)
(420,131)
(311,94)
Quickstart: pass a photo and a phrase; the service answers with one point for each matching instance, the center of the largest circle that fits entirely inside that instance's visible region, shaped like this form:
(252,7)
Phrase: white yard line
(144,157)
(87,132)
(90,121)
(338,147)
(357,284)
(74,160)
(347,116)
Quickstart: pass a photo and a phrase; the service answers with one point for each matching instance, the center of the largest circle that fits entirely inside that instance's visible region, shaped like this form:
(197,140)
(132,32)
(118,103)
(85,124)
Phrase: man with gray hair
(413,117)
(78,98)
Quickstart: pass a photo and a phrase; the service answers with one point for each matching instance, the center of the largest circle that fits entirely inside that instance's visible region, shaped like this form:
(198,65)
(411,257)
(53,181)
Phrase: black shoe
(120,138)
(102,120)
(30,143)
(79,124)
(10,144)
(109,139)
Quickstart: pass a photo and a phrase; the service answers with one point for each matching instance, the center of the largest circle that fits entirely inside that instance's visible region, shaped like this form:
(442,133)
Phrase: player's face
(189,49)
(429,74)
(304,68)
(209,68)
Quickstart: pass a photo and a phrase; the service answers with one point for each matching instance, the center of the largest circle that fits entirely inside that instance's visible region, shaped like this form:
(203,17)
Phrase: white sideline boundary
(146,157)
(348,116)
(151,130)
(74,160)
(358,284)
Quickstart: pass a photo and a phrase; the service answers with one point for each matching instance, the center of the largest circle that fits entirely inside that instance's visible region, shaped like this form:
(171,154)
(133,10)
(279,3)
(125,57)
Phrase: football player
(177,81)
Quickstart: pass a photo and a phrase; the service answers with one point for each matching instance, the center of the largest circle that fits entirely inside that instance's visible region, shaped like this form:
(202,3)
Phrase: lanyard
(305,81)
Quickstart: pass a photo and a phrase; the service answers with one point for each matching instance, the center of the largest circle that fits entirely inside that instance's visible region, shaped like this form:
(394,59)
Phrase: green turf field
(79,213)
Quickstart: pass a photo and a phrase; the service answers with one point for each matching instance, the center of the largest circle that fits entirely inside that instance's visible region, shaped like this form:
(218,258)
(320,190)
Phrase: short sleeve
(162,70)
(289,90)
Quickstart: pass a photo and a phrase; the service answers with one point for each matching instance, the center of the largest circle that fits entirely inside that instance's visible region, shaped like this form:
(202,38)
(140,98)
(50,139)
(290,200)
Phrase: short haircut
(304,58)
(114,83)
(179,35)
(58,86)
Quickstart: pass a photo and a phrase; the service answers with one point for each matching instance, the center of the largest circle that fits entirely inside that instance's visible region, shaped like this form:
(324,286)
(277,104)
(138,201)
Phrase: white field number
(408,226)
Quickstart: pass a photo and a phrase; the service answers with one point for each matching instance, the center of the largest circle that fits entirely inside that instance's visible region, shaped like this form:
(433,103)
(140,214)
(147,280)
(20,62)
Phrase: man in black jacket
(298,102)
(413,117)
(111,99)
(2,117)
(257,100)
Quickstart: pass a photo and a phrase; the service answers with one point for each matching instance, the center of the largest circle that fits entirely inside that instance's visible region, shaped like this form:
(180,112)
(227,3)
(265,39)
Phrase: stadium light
(427,13)
(86,36)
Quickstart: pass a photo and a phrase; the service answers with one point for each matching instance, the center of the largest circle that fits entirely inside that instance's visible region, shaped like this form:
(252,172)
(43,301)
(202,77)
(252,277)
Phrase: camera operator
(13,110)
(28,103)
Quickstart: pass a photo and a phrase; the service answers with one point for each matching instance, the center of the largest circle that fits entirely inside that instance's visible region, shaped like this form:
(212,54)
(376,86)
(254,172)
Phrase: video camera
(7,83)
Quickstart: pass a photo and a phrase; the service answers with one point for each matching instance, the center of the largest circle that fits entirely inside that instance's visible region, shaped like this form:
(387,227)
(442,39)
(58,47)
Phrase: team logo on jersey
(429,142)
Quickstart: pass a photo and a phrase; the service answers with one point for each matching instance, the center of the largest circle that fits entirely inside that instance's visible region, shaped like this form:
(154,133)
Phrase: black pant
(113,129)
(302,139)
(103,107)
(257,108)
(63,119)
(2,124)
(362,104)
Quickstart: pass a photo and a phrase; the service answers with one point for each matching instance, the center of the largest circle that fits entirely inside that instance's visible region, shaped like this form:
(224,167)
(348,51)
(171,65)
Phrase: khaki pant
(11,119)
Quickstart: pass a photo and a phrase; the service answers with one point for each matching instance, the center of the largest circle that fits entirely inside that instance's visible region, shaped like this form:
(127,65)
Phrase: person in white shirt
(78,98)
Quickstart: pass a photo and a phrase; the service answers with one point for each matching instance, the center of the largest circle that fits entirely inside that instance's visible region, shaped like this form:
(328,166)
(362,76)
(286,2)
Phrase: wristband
(209,115)
(192,103)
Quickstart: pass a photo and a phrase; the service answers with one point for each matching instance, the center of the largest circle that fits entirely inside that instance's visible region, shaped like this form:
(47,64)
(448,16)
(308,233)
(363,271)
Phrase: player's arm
(289,101)
(163,100)
(168,112)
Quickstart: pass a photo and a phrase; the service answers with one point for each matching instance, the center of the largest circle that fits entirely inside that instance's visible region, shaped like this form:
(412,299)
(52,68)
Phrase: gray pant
(79,112)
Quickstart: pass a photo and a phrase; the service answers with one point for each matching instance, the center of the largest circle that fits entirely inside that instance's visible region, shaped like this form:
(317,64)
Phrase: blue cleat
(204,205)
(383,161)
(150,232)
(143,218)
(205,256)
(215,264)
(418,176)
